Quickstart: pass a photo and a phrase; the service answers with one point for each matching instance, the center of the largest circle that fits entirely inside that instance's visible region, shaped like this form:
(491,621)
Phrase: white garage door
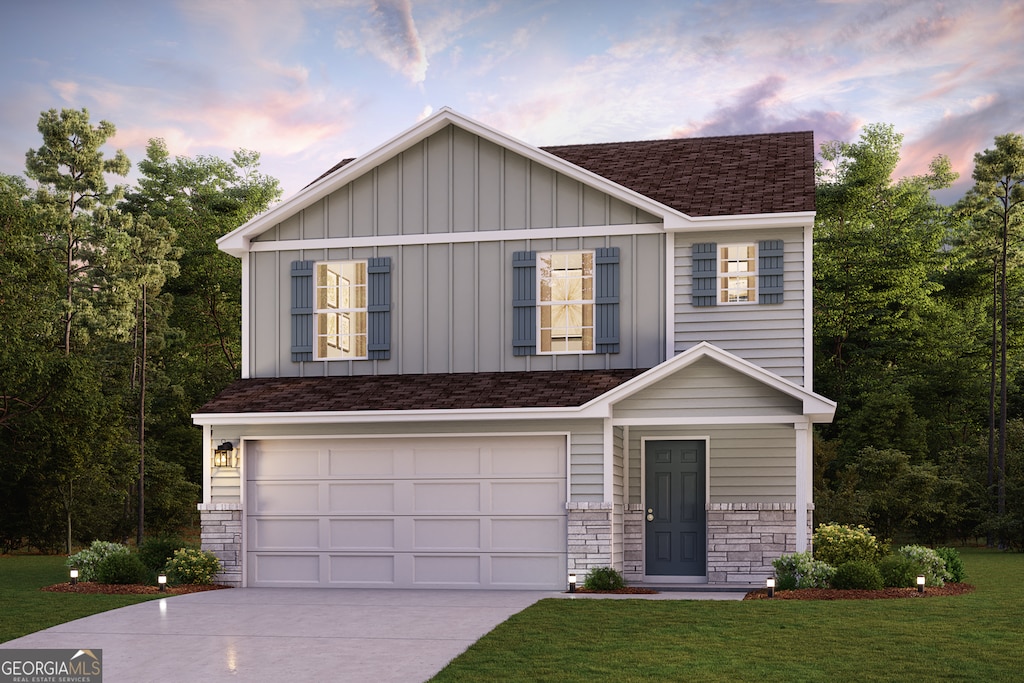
(407,513)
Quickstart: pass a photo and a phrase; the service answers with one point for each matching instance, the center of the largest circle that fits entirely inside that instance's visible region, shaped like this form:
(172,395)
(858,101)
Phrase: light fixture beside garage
(225,455)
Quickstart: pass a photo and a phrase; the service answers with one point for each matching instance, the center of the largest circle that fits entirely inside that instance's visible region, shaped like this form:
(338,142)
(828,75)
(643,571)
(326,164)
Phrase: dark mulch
(884,594)
(126,589)
(628,590)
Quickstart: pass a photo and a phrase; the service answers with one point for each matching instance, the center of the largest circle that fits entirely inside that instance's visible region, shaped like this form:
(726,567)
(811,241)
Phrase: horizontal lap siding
(749,464)
(451,307)
(769,335)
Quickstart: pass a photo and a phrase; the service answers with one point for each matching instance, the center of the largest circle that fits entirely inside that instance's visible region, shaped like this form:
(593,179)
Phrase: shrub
(802,571)
(926,562)
(189,565)
(898,571)
(954,564)
(604,579)
(88,559)
(838,544)
(857,574)
(155,552)
(122,568)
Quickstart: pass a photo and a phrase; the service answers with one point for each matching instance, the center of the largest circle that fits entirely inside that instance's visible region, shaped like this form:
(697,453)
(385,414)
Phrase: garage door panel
(367,534)
(361,462)
(528,497)
(285,533)
(295,463)
(286,569)
(449,570)
(361,498)
(433,534)
(282,497)
(527,571)
(446,462)
(526,533)
(447,498)
(362,570)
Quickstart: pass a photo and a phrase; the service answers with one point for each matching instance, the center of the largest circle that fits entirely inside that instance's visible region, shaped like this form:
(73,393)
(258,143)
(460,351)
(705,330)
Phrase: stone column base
(221,529)
(744,539)
(590,537)
(633,542)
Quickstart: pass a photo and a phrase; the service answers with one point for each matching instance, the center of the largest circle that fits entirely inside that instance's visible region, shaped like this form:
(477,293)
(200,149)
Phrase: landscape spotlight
(920,583)
(162,580)
(74,576)
(770,583)
(572,583)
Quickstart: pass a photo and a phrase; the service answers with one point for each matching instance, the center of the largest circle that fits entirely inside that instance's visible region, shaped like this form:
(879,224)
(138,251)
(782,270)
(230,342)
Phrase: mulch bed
(628,590)
(884,594)
(90,587)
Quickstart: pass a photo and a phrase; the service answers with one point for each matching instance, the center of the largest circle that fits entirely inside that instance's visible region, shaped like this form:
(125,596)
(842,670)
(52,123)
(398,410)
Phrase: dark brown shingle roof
(717,176)
(462,391)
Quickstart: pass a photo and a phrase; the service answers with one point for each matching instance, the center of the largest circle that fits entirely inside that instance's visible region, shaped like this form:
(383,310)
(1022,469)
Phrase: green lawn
(974,637)
(25,609)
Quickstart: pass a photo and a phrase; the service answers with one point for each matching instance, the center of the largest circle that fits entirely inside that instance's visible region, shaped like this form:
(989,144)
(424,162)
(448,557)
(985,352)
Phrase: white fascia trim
(809,307)
(789,219)
(237,242)
(818,408)
(246,318)
(393,416)
(705,421)
(670,299)
(460,237)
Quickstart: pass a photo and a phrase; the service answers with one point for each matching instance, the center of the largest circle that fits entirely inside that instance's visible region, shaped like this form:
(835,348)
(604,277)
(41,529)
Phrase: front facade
(473,363)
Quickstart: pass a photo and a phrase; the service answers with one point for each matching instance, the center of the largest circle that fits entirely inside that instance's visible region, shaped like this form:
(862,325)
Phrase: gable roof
(457,391)
(700,175)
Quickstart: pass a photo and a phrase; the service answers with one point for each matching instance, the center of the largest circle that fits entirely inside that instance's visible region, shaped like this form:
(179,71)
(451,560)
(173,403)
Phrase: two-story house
(469,362)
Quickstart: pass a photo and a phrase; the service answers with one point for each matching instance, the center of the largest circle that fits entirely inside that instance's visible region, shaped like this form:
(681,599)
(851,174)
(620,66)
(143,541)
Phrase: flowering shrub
(88,559)
(800,570)
(189,565)
(928,563)
(838,544)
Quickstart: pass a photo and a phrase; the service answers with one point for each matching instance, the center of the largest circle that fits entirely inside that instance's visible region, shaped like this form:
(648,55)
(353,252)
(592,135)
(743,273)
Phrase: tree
(995,206)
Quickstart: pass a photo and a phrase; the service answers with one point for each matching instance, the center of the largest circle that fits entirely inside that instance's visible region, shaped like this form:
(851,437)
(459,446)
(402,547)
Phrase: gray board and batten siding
(772,335)
(451,300)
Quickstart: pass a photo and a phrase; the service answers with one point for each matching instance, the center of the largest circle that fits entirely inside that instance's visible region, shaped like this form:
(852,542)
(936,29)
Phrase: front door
(676,532)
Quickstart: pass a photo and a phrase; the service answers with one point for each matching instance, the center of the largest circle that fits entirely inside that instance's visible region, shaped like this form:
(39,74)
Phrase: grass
(25,609)
(973,637)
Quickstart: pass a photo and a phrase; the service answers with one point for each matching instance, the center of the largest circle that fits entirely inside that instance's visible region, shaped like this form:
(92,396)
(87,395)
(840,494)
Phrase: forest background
(119,317)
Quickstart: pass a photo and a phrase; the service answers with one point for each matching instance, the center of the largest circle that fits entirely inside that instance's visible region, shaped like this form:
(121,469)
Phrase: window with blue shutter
(379,308)
(705,274)
(606,300)
(524,303)
(302,311)
(770,271)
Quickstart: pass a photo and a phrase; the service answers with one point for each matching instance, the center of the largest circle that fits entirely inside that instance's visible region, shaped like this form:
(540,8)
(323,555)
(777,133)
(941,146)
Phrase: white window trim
(754,298)
(317,311)
(541,303)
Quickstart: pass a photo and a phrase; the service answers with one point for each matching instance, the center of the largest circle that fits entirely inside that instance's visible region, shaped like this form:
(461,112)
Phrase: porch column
(804,466)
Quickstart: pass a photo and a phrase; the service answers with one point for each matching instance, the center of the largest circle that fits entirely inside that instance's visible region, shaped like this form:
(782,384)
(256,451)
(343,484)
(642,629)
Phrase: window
(565,306)
(737,273)
(341,309)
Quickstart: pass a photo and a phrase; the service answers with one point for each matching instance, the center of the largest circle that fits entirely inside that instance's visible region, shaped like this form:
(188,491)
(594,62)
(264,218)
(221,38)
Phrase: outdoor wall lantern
(74,576)
(572,583)
(225,455)
(920,583)
(162,580)
(770,584)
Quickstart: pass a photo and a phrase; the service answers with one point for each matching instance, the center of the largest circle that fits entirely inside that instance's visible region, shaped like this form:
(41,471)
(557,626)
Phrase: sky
(307,83)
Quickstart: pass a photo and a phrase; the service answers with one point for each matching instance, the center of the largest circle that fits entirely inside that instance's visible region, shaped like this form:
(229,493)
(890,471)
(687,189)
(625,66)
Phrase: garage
(409,512)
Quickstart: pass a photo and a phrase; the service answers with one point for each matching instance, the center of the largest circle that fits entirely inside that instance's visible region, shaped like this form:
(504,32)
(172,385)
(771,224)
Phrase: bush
(155,552)
(838,544)
(954,564)
(189,565)
(898,571)
(859,575)
(927,562)
(802,571)
(88,559)
(604,579)
(122,568)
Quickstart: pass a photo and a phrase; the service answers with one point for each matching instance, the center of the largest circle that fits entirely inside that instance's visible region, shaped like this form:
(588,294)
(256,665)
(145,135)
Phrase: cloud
(392,37)
(66,90)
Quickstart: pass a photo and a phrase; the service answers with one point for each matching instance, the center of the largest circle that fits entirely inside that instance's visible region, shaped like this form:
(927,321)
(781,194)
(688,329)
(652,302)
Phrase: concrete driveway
(297,634)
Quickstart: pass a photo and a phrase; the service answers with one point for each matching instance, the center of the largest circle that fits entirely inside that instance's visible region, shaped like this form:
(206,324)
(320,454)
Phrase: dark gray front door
(676,520)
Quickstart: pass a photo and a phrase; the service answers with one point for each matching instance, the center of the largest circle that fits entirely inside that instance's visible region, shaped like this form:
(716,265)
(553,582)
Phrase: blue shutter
(302,310)
(524,303)
(770,271)
(705,274)
(606,300)
(378,309)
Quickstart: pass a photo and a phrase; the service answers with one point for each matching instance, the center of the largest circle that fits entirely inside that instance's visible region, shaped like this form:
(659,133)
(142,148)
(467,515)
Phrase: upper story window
(737,273)
(565,306)
(340,309)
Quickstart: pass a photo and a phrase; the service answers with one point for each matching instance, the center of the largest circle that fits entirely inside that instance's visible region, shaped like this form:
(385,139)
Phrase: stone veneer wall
(744,538)
(633,542)
(221,529)
(590,537)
